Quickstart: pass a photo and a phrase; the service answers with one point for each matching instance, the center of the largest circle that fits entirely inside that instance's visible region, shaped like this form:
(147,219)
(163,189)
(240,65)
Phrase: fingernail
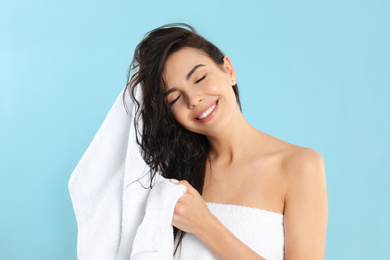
(174,181)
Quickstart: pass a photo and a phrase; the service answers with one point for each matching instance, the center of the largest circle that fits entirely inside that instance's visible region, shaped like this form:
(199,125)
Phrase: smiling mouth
(207,112)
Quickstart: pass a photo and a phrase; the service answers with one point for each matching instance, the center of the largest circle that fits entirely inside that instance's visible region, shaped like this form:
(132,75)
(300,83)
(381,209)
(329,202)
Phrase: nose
(194,99)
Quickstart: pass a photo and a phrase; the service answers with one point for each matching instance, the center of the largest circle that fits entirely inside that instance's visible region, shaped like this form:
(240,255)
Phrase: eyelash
(174,100)
(199,80)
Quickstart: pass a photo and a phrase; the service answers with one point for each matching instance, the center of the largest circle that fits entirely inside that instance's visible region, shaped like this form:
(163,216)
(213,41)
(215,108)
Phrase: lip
(210,116)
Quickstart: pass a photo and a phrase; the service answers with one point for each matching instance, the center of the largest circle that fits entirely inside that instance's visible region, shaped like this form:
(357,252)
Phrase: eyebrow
(169,92)
(193,70)
(187,78)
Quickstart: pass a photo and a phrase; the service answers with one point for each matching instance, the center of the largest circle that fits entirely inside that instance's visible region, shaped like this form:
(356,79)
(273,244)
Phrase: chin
(214,130)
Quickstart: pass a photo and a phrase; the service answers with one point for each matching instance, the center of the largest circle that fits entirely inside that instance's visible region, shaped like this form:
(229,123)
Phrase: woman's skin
(248,167)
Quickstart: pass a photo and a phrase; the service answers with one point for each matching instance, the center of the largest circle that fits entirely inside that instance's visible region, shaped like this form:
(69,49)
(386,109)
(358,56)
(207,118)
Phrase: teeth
(207,112)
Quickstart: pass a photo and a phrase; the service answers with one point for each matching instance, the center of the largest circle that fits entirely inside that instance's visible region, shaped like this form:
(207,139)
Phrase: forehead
(182,61)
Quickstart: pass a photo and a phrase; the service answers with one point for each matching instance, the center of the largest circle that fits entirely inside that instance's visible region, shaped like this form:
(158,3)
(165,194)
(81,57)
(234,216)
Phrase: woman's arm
(192,215)
(306,206)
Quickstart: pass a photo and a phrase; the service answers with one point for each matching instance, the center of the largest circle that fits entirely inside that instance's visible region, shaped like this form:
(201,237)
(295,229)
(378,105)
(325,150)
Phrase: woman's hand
(193,216)
(191,212)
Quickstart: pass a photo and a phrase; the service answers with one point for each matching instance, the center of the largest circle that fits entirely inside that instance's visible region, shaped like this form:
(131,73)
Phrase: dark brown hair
(167,147)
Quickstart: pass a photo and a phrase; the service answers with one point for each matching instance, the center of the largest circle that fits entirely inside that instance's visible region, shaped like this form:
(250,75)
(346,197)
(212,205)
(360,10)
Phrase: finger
(190,189)
(177,182)
(185,199)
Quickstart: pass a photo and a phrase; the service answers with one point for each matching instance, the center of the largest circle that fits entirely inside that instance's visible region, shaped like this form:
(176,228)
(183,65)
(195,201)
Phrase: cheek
(179,117)
(217,85)
(214,87)
(183,119)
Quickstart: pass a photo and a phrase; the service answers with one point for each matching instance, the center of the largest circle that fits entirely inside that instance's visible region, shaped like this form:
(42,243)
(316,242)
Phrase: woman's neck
(231,144)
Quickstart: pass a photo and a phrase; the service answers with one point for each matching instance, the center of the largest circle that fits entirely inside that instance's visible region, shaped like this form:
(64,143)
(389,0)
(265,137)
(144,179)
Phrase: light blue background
(314,73)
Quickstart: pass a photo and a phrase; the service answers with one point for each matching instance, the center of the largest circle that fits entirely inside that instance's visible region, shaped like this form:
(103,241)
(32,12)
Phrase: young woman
(249,195)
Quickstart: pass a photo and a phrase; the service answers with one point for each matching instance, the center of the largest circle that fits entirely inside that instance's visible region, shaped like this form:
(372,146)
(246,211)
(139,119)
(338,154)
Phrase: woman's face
(199,91)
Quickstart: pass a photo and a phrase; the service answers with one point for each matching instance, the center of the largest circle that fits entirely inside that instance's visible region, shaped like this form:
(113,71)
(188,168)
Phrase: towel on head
(107,188)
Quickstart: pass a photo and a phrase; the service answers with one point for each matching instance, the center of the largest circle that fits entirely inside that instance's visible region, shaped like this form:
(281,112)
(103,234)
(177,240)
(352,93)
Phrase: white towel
(108,201)
(154,238)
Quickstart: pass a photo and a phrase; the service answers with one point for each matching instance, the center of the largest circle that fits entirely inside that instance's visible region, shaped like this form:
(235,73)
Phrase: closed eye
(199,80)
(174,101)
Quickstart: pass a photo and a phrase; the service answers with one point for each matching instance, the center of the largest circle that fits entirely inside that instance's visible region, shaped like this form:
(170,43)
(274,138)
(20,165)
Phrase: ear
(230,70)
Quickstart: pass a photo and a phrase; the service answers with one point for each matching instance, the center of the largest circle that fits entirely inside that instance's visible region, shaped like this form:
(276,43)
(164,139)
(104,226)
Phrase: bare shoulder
(303,168)
(296,165)
(301,160)
(293,156)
